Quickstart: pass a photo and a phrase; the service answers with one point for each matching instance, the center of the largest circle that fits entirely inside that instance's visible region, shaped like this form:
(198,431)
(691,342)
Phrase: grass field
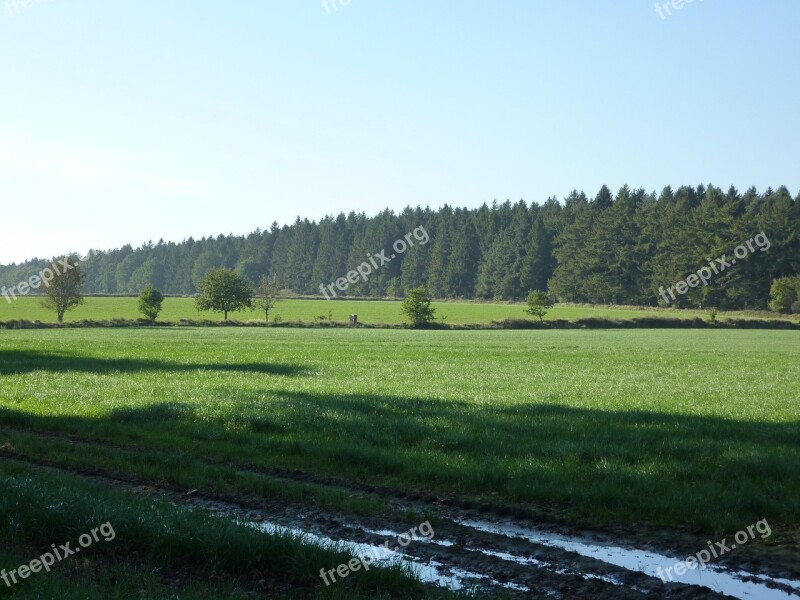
(671,429)
(455,313)
(572,419)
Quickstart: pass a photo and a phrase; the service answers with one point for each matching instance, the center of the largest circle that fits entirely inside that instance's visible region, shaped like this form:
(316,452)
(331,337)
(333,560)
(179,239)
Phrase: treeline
(612,249)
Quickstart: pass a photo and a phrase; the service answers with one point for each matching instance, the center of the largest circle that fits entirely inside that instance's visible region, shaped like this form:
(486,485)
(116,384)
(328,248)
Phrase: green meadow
(613,426)
(373,312)
(676,430)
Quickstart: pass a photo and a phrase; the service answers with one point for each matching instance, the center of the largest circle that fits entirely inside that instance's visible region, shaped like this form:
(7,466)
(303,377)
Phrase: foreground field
(670,431)
(388,312)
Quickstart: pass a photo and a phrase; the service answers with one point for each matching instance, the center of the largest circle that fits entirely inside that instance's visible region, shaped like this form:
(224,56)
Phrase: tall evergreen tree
(462,268)
(539,262)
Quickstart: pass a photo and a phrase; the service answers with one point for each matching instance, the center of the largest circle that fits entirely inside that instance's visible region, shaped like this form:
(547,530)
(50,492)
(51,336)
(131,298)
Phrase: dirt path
(474,545)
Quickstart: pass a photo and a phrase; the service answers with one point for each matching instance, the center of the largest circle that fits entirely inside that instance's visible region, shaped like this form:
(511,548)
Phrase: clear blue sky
(122,122)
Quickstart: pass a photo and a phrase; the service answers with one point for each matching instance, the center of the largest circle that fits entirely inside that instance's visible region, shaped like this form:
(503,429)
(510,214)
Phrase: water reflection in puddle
(715,578)
(730,583)
(430,572)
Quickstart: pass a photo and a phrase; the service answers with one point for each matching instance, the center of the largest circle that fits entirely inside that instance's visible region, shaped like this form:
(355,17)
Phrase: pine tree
(539,263)
(462,268)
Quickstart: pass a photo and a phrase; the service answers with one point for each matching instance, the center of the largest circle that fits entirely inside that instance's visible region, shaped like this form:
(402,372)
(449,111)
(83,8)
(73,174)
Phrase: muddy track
(470,551)
(472,555)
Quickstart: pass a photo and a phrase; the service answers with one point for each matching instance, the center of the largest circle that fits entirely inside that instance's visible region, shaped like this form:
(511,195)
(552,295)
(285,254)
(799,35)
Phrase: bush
(417,307)
(150,300)
(510,323)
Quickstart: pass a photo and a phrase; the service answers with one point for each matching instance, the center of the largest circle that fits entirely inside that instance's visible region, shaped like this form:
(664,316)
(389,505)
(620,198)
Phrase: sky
(125,122)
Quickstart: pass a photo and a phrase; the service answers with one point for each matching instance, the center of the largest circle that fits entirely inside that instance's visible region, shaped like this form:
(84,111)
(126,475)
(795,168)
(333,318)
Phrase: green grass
(178,553)
(105,580)
(456,313)
(670,427)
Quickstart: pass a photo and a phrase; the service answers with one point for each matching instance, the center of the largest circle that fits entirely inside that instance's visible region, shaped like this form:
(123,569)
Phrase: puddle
(513,558)
(522,560)
(430,572)
(388,533)
(737,584)
(729,583)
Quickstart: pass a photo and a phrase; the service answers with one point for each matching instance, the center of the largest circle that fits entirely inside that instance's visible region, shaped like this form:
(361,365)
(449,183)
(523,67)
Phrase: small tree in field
(65,290)
(538,304)
(150,300)
(417,307)
(267,294)
(784,293)
(224,290)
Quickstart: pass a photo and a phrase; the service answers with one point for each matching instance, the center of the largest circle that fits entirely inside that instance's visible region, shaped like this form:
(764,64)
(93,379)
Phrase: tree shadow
(168,412)
(530,424)
(662,466)
(609,465)
(16,362)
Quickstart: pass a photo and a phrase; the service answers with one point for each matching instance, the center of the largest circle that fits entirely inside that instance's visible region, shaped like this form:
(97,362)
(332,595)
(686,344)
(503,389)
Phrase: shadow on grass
(610,465)
(15,362)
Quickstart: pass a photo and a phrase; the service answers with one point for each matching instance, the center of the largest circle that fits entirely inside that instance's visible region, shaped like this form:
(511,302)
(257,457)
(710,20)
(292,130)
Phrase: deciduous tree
(538,304)
(267,294)
(65,289)
(224,290)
